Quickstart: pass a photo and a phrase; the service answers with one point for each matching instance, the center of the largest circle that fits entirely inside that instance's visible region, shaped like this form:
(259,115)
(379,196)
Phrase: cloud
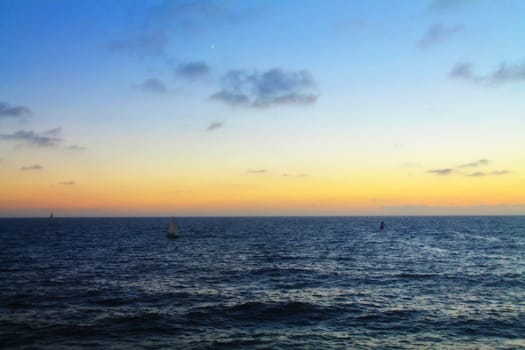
(44,139)
(500,172)
(438,34)
(163,23)
(32,167)
(231,98)
(491,173)
(507,73)
(55,132)
(257,171)
(67,183)
(462,71)
(441,172)
(265,89)
(153,85)
(7,111)
(76,148)
(477,163)
(446,5)
(215,126)
(302,175)
(503,74)
(192,70)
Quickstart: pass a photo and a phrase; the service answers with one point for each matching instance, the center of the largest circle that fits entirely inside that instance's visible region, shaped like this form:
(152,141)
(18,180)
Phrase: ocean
(263,283)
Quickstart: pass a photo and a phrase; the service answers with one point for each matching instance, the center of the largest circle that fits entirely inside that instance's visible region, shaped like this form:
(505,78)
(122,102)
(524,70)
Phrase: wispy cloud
(462,170)
(257,171)
(266,89)
(55,132)
(170,19)
(76,148)
(500,172)
(153,85)
(441,172)
(7,111)
(446,5)
(192,70)
(490,173)
(462,71)
(67,183)
(44,139)
(438,34)
(302,175)
(215,126)
(231,98)
(503,74)
(508,73)
(32,167)
(476,163)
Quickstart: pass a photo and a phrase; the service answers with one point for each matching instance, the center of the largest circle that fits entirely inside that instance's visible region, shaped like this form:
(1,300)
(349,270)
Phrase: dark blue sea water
(263,283)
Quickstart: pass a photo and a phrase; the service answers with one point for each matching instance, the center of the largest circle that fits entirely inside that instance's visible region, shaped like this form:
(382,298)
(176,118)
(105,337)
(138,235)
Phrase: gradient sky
(262,107)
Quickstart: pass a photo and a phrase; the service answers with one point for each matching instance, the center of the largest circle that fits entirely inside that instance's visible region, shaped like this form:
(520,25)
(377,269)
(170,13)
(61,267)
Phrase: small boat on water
(382,226)
(173,231)
(51,220)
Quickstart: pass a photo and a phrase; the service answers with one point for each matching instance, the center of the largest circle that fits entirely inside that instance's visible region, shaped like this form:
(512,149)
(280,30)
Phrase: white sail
(173,230)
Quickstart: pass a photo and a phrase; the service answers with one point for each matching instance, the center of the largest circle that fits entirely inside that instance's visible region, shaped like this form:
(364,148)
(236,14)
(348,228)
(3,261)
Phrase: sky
(226,108)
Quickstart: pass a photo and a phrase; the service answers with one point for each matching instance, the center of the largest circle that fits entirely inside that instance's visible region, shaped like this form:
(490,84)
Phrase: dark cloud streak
(32,167)
(192,70)
(438,34)
(45,139)
(215,126)
(257,171)
(477,163)
(490,173)
(67,183)
(441,172)
(504,74)
(7,111)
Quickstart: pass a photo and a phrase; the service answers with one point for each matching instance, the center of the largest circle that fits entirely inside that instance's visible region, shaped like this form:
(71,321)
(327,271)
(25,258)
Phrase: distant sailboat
(173,231)
(51,220)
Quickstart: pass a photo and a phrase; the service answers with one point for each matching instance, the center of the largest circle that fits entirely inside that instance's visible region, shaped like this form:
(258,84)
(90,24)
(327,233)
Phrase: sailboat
(51,220)
(173,231)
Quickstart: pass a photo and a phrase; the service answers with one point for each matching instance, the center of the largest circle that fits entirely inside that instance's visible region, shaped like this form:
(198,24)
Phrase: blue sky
(338,90)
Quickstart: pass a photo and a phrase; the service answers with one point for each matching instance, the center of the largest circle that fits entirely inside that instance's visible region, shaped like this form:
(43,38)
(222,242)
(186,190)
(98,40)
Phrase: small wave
(294,311)
(416,275)
(113,302)
(278,271)
(19,305)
